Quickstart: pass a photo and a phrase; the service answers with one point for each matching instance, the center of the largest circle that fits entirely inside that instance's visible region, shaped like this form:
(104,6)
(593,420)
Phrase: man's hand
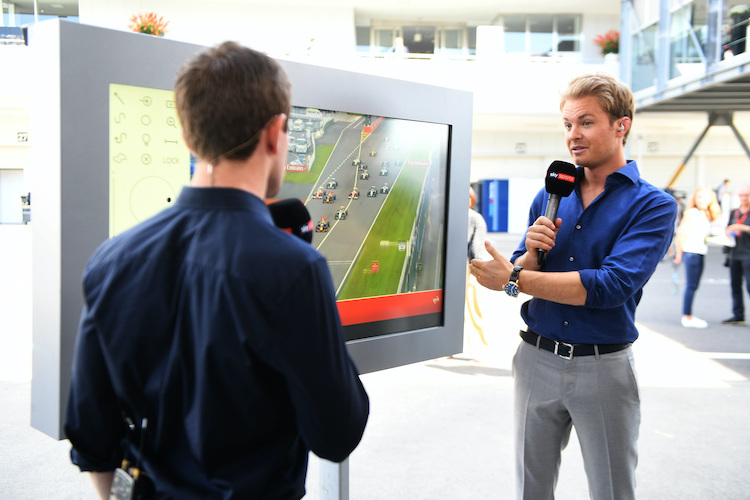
(541,235)
(492,274)
(736,229)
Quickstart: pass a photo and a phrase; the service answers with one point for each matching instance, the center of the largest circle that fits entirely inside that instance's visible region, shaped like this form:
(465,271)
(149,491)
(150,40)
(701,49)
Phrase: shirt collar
(222,198)
(629,171)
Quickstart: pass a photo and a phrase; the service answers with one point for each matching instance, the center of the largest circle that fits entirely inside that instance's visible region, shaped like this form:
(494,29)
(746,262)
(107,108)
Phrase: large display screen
(375,188)
(112,156)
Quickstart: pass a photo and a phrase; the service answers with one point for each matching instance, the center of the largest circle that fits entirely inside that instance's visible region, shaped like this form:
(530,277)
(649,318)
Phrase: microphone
(291,215)
(560,182)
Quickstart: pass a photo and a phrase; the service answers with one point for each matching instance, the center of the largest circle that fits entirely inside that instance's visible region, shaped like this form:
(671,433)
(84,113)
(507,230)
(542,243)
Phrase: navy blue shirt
(223,331)
(615,245)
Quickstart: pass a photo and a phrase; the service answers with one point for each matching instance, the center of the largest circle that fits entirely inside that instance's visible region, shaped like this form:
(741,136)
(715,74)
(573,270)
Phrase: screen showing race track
(375,188)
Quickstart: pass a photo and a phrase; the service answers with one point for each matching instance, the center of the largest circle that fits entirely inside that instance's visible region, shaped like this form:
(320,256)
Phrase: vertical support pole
(334,480)
(626,42)
(663,48)
(713,49)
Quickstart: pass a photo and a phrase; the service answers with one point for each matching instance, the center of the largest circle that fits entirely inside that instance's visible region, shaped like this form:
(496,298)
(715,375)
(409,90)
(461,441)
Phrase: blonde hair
(615,98)
(713,210)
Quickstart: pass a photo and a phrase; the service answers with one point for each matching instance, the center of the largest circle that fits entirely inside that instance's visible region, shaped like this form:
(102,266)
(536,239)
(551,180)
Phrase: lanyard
(741,219)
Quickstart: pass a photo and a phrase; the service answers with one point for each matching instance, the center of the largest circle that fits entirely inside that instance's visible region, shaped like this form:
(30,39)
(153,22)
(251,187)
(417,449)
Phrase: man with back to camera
(574,366)
(209,324)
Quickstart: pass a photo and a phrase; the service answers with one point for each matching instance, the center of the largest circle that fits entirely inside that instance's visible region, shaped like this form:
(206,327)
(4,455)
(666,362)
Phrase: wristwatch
(511,287)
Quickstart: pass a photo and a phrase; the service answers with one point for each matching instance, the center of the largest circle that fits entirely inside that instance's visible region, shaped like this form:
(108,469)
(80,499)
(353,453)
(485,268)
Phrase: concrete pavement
(441,429)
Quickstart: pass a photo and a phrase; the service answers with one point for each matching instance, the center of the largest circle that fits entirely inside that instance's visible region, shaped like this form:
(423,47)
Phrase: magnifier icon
(170,122)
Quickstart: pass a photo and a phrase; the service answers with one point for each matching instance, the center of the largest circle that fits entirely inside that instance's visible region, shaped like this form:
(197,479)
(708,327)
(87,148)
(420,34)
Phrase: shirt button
(565,323)
(578,226)
(571,258)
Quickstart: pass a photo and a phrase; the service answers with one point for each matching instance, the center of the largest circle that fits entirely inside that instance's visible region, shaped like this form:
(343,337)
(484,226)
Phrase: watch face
(511,289)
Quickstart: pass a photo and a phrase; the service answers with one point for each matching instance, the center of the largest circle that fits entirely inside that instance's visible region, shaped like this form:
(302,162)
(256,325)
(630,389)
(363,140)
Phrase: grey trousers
(596,394)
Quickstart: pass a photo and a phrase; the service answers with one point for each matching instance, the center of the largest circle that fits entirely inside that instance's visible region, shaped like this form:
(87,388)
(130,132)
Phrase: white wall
(515,98)
(14,123)
(274,28)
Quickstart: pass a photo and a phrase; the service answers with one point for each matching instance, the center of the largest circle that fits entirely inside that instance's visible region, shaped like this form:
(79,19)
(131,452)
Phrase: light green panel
(148,160)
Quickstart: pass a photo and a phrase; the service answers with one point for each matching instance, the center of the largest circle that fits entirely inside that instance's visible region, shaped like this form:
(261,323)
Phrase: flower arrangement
(608,42)
(149,24)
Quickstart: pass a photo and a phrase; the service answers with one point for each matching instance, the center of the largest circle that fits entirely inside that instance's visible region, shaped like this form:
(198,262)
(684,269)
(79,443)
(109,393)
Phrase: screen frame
(70,181)
(327,88)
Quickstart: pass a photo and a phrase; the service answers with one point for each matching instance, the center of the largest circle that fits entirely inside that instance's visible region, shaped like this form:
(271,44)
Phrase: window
(383,40)
(362,37)
(447,39)
(19,13)
(452,42)
(542,34)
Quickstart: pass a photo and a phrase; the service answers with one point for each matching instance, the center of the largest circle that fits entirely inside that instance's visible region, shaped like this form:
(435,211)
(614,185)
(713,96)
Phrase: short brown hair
(614,96)
(225,96)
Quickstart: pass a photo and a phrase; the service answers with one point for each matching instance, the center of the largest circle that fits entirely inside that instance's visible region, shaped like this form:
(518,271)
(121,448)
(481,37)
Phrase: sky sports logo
(563,177)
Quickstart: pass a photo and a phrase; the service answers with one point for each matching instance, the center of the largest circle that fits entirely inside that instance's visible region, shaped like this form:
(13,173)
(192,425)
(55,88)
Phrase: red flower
(148,23)
(608,42)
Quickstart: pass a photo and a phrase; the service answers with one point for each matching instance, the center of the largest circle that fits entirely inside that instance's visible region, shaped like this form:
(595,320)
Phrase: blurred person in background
(698,223)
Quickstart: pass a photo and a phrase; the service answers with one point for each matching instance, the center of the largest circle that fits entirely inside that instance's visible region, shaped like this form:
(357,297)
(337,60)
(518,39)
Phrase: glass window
(542,34)
(471,40)
(420,39)
(362,37)
(643,74)
(452,43)
(383,40)
(568,33)
(540,27)
(514,28)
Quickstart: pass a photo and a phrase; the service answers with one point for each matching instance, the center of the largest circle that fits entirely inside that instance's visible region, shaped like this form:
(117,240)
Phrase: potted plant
(609,42)
(149,24)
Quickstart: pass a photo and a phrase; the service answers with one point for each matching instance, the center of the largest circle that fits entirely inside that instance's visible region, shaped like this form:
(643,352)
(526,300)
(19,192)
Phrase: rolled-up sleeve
(633,257)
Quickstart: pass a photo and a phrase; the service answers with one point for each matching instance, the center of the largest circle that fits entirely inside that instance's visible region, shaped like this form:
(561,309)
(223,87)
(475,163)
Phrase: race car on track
(330,197)
(332,183)
(385,189)
(373,153)
(319,193)
(362,166)
(342,213)
(385,164)
(364,175)
(383,171)
(354,194)
(323,225)
(372,193)
(356,162)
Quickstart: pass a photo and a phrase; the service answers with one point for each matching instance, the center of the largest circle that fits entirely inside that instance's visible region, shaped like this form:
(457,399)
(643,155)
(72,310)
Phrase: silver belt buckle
(570,350)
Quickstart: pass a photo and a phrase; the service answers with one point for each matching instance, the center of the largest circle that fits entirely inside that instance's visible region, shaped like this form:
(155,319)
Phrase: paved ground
(442,429)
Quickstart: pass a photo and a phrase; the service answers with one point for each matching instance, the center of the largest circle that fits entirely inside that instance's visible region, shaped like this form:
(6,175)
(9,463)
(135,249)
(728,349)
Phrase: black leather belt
(566,350)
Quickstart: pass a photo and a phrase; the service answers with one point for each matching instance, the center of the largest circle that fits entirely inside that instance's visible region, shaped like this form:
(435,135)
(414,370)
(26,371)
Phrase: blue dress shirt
(615,245)
(222,330)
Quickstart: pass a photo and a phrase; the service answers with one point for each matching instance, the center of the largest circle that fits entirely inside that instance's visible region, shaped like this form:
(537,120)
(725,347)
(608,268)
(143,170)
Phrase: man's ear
(624,125)
(274,132)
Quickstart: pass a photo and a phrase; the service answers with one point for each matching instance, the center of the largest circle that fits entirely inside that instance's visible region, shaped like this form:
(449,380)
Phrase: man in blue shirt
(574,366)
(210,330)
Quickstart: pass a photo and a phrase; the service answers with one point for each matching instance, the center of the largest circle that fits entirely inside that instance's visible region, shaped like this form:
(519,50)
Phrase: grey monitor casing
(70,182)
